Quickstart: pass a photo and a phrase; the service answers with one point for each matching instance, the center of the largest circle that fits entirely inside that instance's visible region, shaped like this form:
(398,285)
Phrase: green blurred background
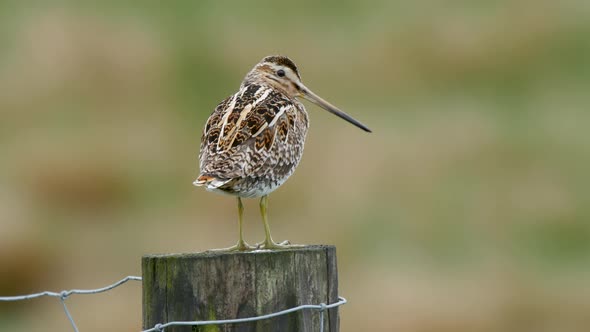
(467,209)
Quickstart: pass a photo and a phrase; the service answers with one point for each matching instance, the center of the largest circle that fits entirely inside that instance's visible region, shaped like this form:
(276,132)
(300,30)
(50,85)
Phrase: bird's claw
(273,245)
(240,246)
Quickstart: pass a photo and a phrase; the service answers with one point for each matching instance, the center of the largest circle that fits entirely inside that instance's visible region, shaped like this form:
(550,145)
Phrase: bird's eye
(280,73)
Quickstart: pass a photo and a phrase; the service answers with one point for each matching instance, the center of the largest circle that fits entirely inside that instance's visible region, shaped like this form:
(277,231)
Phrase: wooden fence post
(227,285)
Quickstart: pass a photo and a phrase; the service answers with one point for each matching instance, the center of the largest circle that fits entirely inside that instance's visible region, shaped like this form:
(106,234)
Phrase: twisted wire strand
(160,327)
(63,295)
(319,307)
(66,293)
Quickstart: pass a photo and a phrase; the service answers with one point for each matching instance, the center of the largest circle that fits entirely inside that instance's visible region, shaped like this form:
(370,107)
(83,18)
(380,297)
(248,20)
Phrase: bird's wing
(210,135)
(242,130)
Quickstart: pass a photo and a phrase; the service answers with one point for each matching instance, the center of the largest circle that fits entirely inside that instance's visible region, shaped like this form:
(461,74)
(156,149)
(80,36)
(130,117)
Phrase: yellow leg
(268,242)
(241,245)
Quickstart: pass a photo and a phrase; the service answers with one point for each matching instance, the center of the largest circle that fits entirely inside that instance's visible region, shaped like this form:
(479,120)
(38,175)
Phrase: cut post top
(215,253)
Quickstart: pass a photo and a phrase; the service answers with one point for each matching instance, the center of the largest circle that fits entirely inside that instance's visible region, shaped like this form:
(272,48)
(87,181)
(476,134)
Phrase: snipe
(254,139)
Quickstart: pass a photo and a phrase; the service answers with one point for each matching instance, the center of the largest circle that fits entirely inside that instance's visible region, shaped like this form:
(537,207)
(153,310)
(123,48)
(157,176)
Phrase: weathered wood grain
(222,285)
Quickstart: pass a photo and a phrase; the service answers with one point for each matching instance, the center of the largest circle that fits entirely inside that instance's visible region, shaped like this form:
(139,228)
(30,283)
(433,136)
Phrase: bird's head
(281,73)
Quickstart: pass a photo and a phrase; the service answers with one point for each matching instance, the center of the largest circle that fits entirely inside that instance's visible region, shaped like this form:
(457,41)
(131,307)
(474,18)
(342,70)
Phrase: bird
(254,139)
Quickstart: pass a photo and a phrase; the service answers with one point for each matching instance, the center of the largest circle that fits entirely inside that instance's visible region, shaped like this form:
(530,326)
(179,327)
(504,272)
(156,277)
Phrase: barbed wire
(160,327)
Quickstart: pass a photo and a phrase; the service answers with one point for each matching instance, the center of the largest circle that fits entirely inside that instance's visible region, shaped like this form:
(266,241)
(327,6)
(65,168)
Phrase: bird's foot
(240,246)
(273,245)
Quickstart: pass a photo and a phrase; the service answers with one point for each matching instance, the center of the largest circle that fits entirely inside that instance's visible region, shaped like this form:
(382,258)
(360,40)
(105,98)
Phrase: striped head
(277,71)
(281,73)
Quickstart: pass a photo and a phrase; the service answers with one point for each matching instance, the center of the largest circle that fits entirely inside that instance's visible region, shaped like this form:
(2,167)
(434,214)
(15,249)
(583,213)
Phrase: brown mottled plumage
(254,139)
(253,147)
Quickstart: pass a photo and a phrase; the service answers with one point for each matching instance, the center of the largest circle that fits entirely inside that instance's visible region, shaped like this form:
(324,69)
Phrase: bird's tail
(210,182)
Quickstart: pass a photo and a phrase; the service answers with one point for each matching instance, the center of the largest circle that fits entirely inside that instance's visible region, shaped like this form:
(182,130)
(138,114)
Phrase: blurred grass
(467,209)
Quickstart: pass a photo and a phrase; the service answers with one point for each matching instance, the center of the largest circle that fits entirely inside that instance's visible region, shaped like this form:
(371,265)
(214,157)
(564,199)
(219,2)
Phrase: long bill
(309,95)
